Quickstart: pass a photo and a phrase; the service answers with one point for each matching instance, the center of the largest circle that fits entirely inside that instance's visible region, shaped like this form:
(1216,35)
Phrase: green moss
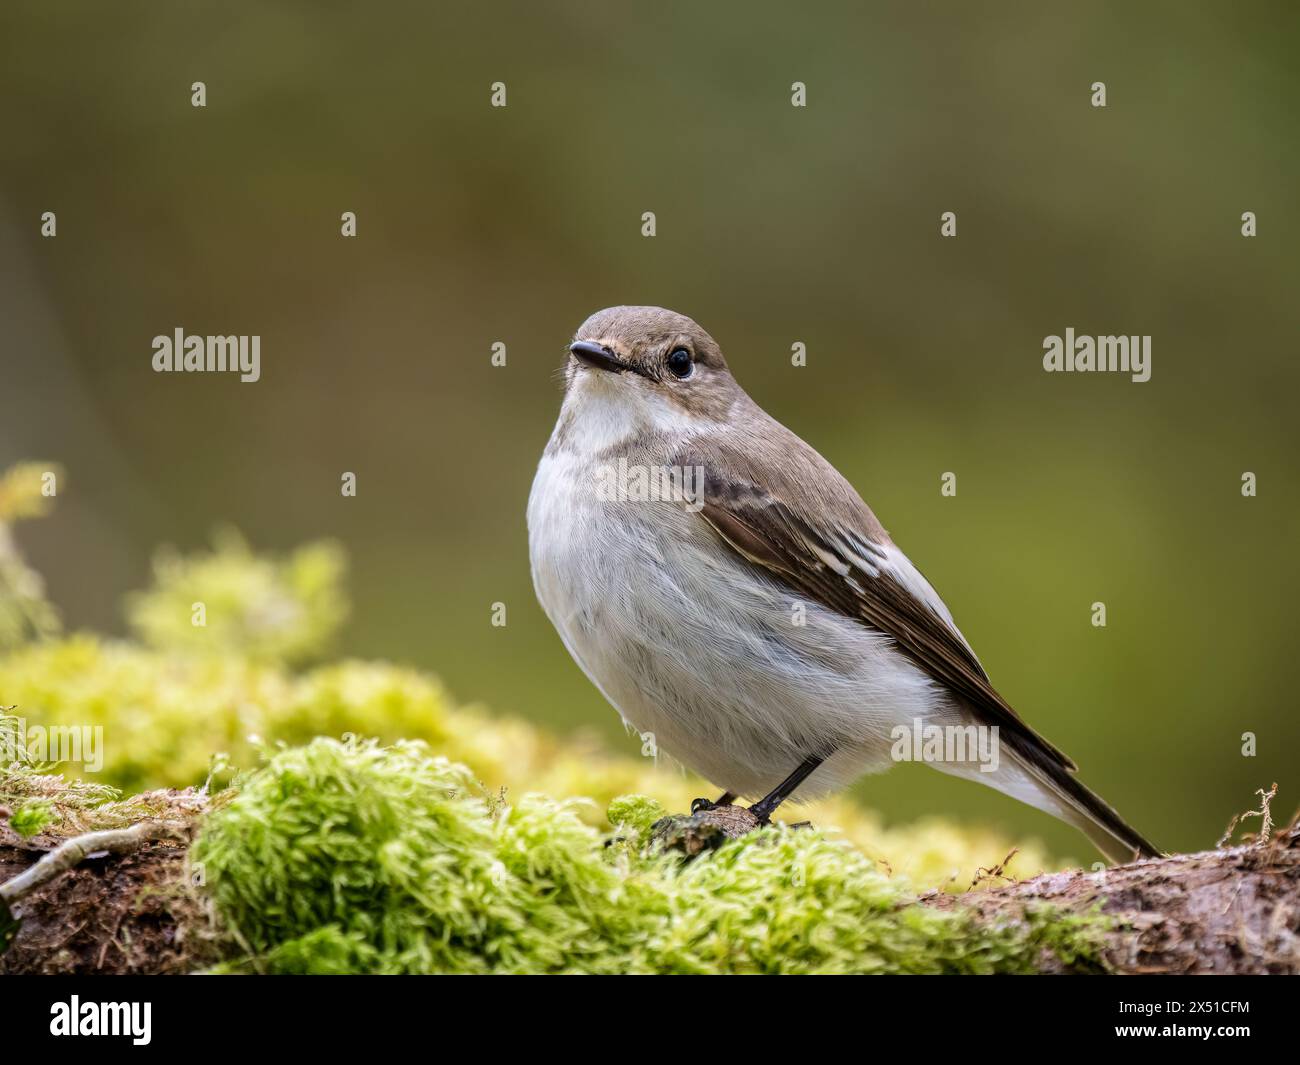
(389,860)
(33,818)
(166,715)
(24,611)
(1076,939)
(634,815)
(263,609)
(354,857)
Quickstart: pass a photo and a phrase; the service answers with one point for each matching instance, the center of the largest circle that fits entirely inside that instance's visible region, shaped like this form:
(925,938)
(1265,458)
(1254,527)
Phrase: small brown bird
(733,596)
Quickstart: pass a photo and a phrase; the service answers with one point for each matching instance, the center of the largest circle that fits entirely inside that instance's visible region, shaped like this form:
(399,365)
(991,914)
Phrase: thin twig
(998,872)
(73,851)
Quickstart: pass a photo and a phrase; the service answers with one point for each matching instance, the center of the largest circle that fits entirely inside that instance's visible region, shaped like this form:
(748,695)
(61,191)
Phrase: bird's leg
(766,806)
(725,799)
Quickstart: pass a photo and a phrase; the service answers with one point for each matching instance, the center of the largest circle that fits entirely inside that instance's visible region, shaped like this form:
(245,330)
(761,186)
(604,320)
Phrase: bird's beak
(598,356)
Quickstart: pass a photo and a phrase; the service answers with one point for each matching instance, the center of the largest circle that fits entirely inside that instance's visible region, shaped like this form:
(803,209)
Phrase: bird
(734,598)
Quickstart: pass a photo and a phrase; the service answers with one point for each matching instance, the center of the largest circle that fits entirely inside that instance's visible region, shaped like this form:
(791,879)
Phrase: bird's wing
(840,557)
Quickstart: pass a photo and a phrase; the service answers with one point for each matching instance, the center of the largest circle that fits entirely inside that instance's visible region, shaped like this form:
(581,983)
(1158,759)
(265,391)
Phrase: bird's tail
(1089,812)
(1036,777)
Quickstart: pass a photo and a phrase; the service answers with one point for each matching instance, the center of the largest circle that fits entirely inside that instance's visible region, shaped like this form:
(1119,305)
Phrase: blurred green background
(775,225)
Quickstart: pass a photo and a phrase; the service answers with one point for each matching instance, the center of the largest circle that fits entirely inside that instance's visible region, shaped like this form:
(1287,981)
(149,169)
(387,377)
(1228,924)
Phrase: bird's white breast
(717,663)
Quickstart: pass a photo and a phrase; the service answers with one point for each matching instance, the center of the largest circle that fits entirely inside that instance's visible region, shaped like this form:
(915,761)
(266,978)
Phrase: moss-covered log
(1234,910)
(417,857)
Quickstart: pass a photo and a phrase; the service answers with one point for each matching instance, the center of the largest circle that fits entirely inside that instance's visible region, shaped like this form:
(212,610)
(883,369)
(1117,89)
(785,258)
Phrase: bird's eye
(680,364)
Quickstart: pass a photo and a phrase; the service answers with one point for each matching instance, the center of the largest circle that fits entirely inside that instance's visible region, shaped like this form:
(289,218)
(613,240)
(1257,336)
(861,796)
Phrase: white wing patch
(900,567)
(879,561)
(842,545)
(837,564)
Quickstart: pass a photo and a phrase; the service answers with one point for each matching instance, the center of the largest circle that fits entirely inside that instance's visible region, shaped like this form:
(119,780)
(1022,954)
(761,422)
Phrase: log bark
(1234,910)
(114,900)
(111,913)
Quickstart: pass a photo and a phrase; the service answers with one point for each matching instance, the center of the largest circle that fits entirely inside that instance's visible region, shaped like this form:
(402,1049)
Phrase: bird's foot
(700,806)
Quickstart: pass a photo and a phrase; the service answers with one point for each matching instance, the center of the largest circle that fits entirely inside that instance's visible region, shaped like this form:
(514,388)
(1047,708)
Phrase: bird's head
(653,367)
